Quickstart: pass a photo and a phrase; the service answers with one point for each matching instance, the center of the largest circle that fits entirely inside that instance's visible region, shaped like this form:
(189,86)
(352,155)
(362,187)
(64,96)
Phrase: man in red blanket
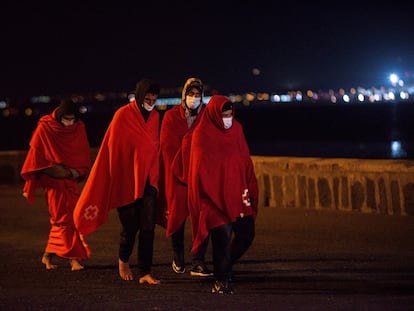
(176,130)
(222,189)
(125,176)
(59,158)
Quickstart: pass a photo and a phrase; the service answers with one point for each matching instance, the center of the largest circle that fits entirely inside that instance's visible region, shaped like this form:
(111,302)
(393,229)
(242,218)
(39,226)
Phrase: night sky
(60,49)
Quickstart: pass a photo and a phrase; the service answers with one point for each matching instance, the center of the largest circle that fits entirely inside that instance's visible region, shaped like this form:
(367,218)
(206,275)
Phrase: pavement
(301,259)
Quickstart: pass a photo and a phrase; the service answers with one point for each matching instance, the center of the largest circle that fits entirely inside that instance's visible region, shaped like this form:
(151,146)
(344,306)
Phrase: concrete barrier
(355,185)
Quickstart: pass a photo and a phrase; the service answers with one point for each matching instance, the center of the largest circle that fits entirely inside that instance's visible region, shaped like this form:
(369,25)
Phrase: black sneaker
(222,287)
(176,268)
(200,270)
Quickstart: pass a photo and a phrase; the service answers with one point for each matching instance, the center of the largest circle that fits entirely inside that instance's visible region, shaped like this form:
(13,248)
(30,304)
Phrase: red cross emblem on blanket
(246,197)
(91,212)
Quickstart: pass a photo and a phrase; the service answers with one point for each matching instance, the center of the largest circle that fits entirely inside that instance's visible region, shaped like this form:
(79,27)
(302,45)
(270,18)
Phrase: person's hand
(58,171)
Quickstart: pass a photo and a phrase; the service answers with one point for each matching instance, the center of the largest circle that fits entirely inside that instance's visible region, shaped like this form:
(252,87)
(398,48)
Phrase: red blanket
(128,155)
(52,144)
(175,142)
(222,183)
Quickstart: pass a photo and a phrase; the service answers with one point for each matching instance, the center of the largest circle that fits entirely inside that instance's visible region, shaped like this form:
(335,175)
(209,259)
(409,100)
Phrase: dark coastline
(286,129)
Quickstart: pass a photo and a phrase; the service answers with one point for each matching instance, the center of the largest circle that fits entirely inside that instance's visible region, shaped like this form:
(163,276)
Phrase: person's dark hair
(227,106)
(67,106)
(143,87)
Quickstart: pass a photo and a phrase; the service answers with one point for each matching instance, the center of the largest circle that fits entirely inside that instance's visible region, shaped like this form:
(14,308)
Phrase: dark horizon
(363,131)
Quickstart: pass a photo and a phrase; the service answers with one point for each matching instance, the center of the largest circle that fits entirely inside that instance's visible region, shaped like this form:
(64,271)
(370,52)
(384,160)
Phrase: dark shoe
(176,268)
(222,287)
(200,270)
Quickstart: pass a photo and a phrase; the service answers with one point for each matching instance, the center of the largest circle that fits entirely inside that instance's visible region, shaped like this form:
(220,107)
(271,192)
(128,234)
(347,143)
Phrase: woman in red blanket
(223,191)
(125,176)
(59,158)
(176,130)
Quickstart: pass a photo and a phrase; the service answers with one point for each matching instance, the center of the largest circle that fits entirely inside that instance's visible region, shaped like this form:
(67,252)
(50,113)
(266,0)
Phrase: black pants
(177,239)
(139,216)
(230,242)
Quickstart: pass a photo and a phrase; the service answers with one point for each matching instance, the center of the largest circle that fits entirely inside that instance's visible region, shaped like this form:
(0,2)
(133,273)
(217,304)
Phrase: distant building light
(83,109)
(100,97)
(250,97)
(389,96)
(28,112)
(393,78)
(3,104)
(40,99)
(404,95)
(167,101)
(275,98)
(396,149)
(285,98)
(236,98)
(262,96)
(346,98)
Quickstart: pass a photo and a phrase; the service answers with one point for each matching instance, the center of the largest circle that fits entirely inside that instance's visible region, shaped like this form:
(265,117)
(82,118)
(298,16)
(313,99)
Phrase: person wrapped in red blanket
(222,189)
(177,127)
(58,159)
(124,177)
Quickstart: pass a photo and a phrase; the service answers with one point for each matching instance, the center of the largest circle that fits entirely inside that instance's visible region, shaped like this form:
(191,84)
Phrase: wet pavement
(300,260)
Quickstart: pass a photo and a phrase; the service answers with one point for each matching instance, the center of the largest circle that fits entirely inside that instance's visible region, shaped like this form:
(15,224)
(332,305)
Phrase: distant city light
(346,98)
(396,149)
(404,95)
(256,71)
(400,91)
(83,109)
(394,78)
(285,98)
(28,112)
(40,99)
(389,96)
(275,98)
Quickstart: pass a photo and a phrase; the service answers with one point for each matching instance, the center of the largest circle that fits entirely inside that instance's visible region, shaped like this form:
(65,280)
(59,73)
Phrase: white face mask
(192,102)
(148,107)
(228,122)
(67,122)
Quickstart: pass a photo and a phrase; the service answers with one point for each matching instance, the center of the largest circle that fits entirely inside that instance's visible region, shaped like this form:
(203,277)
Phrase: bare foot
(148,279)
(124,271)
(75,264)
(47,261)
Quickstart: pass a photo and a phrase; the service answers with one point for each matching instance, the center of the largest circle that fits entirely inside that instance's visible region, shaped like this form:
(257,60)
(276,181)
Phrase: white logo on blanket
(91,212)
